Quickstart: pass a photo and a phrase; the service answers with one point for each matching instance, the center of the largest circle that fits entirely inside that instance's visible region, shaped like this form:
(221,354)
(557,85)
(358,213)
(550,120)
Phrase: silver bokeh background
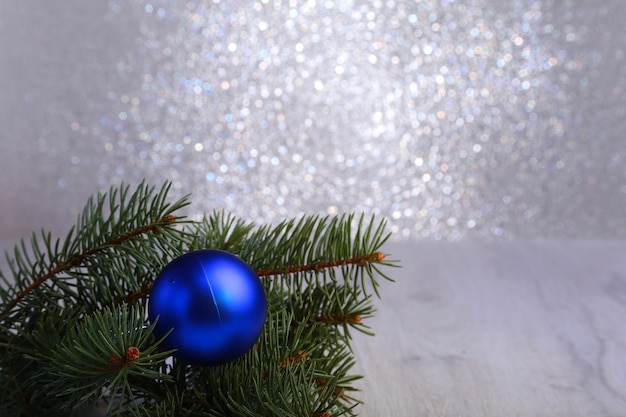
(475,119)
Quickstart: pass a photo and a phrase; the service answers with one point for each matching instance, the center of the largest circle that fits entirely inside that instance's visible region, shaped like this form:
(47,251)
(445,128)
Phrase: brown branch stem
(357,260)
(337,319)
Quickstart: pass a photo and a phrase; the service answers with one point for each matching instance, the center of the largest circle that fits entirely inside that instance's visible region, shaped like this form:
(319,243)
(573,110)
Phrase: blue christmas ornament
(215,304)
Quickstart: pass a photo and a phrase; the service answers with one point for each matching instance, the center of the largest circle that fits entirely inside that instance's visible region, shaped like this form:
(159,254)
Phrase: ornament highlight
(213,302)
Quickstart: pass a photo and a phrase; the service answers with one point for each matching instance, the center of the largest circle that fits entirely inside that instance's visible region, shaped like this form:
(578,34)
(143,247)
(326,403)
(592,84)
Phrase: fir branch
(83,365)
(130,216)
(77,260)
(80,332)
(319,246)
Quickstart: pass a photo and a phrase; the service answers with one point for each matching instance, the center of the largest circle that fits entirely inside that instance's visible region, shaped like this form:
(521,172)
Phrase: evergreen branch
(77,260)
(320,381)
(87,358)
(109,220)
(80,332)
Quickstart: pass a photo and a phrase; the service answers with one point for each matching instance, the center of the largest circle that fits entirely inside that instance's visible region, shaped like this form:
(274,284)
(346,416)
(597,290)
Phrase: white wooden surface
(515,329)
(520,329)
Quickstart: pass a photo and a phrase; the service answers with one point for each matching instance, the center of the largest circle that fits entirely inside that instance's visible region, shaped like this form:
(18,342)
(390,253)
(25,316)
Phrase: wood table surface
(499,329)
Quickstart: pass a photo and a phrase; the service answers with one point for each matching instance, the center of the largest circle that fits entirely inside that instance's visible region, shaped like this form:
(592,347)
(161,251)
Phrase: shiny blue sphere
(215,304)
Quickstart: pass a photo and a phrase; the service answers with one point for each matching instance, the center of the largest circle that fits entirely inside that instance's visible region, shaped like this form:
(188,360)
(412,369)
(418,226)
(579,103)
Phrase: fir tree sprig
(96,363)
(73,327)
(108,220)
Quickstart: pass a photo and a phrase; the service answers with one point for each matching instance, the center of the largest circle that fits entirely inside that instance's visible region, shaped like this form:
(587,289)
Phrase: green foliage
(73,330)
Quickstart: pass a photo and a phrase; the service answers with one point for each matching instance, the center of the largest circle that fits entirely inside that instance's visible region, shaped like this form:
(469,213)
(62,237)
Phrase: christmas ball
(213,303)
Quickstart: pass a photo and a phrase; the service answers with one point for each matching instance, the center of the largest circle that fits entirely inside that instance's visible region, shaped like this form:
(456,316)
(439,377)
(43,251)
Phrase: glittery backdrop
(455,119)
